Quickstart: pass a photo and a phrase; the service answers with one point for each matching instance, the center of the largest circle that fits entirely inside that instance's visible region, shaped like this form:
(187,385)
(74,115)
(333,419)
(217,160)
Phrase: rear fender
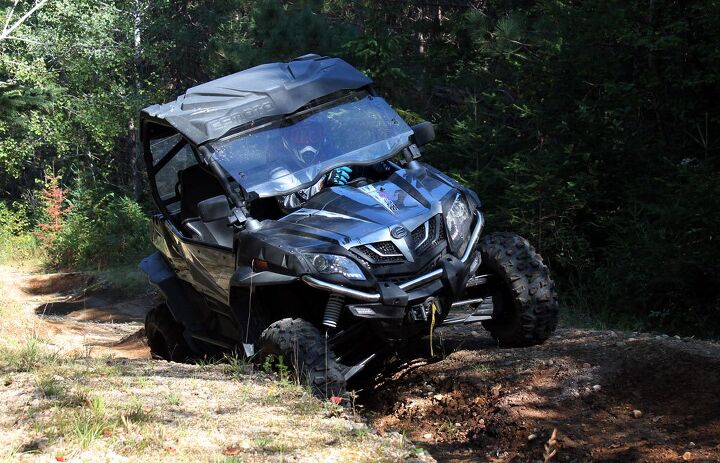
(174,290)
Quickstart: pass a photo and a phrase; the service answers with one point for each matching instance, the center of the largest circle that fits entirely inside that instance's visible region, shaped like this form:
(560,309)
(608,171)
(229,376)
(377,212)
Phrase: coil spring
(332,310)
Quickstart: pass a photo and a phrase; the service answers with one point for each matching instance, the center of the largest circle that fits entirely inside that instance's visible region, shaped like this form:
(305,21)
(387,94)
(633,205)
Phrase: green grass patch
(28,356)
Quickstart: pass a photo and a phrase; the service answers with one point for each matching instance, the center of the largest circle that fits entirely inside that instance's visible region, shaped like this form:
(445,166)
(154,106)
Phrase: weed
(263,442)
(236,366)
(136,412)
(353,396)
(87,427)
(50,386)
(97,405)
(481,368)
(173,399)
(27,357)
(276,363)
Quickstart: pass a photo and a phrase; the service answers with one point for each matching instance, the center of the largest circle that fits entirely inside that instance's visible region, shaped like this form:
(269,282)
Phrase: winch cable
(326,364)
(246,347)
(433,309)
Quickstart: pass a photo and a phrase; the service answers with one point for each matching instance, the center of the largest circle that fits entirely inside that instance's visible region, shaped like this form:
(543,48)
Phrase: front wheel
(301,346)
(526,309)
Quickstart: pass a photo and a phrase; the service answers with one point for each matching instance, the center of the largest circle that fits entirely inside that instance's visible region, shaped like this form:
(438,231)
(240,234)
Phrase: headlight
(333,264)
(458,221)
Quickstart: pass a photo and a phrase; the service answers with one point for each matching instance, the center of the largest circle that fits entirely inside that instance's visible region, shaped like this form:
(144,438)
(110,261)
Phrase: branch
(7,31)
(9,15)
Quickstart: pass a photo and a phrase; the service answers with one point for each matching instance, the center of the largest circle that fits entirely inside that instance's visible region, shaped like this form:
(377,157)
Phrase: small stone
(636,414)
(678,337)
(691,445)
(551,362)
(687,456)
(597,388)
(458,425)
(631,339)
(586,365)
(532,437)
(475,333)
(438,397)
(427,436)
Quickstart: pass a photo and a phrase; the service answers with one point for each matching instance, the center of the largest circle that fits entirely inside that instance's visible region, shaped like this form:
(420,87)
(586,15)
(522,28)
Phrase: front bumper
(453,272)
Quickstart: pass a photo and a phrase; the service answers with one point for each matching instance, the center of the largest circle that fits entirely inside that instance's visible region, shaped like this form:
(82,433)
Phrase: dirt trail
(75,314)
(613,397)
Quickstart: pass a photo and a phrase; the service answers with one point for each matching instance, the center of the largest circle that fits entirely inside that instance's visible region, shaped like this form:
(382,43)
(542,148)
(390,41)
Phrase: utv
(296,222)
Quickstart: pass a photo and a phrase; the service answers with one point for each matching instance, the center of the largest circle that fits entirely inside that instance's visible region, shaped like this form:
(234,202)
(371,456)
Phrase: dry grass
(120,410)
(63,406)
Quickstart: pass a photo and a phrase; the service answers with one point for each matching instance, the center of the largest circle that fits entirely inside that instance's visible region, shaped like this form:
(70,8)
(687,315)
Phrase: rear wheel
(302,347)
(165,335)
(526,305)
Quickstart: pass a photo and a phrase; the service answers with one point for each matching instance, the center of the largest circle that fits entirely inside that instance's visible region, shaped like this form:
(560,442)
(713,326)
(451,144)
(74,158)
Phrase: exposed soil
(613,397)
(78,315)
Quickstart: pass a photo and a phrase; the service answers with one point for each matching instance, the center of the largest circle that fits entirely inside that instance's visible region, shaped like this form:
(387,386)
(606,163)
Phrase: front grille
(382,253)
(428,235)
(424,238)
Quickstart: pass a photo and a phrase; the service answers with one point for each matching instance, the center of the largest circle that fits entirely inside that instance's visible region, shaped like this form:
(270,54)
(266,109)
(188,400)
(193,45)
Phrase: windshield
(291,153)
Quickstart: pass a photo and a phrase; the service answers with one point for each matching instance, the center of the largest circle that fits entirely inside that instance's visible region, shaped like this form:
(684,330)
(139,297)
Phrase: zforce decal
(380,196)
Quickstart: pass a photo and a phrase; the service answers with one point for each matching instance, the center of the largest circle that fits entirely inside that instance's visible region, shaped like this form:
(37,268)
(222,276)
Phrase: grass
(27,356)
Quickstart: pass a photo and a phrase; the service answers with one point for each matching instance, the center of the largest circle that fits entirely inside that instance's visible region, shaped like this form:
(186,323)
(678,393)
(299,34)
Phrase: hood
(392,227)
(381,212)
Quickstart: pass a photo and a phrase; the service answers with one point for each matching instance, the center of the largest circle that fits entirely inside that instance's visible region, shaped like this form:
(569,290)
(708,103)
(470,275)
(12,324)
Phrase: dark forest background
(591,127)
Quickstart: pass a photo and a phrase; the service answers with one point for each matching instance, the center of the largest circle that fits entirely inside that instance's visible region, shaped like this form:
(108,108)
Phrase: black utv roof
(208,111)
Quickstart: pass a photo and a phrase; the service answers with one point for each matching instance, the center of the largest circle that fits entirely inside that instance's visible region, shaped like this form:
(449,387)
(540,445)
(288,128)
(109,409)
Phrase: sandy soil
(77,315)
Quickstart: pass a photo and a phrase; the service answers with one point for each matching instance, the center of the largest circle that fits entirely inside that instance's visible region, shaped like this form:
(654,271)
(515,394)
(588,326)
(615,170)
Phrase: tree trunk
(135,144)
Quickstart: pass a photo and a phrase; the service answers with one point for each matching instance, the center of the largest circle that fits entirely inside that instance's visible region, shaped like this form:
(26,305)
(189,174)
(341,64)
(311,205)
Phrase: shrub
(17,244)
(99,229)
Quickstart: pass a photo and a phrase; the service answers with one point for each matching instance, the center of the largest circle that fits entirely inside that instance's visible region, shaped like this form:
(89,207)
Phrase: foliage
(101,229)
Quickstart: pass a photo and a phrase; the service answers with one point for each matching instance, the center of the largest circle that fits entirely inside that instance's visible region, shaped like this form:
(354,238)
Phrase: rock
(691,445)
(438,397)
(551,362)
(532,437)
(631,339)
(636,414)
(427,436)
(687,456)
(678,337)
(597,388)
(475,333)
(586,366)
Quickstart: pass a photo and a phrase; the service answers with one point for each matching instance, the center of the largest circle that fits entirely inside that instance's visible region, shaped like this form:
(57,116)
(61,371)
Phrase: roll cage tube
(239,211)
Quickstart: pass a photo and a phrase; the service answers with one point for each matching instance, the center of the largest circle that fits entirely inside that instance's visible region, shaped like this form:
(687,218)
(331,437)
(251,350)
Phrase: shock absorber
(332,310)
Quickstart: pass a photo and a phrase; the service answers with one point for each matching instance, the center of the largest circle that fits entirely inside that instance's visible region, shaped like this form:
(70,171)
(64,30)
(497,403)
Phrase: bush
(17,244)
(102,229)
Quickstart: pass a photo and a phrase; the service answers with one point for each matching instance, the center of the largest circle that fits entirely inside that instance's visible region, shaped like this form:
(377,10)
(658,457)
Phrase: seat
(195,185)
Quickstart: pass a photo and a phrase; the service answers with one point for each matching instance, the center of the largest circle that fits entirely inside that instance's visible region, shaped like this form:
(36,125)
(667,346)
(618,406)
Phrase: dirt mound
(611,397)
(55,283)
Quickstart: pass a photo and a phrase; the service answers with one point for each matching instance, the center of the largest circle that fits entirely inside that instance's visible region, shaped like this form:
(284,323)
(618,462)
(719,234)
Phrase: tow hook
(423,311)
